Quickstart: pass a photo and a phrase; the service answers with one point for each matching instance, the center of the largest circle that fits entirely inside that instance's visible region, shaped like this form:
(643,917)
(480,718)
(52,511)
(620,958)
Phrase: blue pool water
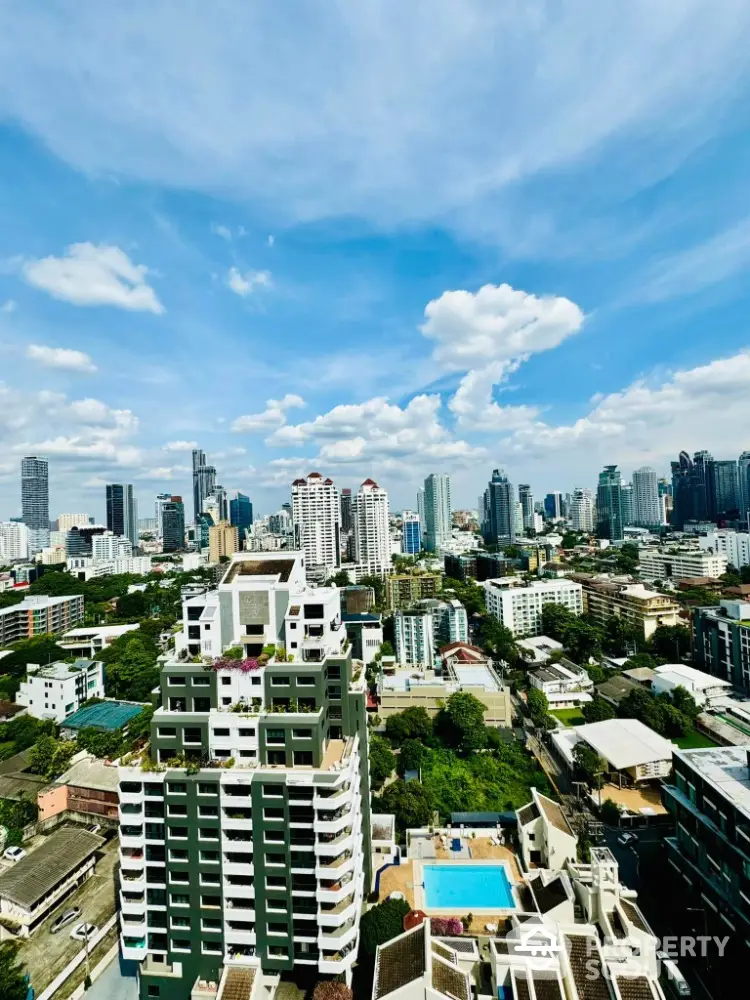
(466,887)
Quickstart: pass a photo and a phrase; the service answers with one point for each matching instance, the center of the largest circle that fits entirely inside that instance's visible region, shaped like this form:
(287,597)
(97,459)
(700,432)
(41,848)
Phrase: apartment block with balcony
(520,608)
(647,609)
(721,642)
(40,615)
(681,563)
(245,832)
(57,690)
(402,590)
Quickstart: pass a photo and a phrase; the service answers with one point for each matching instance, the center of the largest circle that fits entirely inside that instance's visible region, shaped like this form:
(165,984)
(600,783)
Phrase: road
(118,982)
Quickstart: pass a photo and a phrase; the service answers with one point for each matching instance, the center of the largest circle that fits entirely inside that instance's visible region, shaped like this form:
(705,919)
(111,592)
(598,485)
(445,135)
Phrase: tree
(412,724)
(13,984)
(134,673)
(588,765)
(40,649)
(461,723)
(498,640)
(378,585)
(410,803)
(42,754)
(133,606)
(555,618)
(413,755)
(582,639)
(685,702)
(382,760)
(381,923)
(610,813)
(339,579)
(622,636)
(569,540)
(538,706)
(627,558)
(671,642)
(331,989)
(386,649)
(674,723)
(642,660)
(597,710)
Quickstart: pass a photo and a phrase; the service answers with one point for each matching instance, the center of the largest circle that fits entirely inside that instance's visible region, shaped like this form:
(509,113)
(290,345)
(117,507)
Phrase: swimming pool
(463,888)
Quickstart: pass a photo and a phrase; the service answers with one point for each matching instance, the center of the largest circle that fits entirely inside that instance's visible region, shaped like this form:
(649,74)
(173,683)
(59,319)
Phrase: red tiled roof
(299,482)
(314,475)
(369,482)
(459,645)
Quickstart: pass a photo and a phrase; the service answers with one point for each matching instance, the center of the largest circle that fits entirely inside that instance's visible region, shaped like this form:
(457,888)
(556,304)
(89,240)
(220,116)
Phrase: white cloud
(247,283)
(179,445)
(273,416)
(497,323)
(271,239)
(61,357)
(8,306)
(167,473)
(223,231)
(90,275)
(475,409)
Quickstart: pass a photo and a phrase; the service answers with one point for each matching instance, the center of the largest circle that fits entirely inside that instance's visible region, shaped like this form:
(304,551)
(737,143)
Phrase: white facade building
(110,546)
(86,568)
(15,540)
(704,688)
(582,509)
(413,632)
(316,514)
(733,545)
(67,521)
(680,564)
(437,511)
(57,690)
(520,608)
(646,505)
(88,640)
(564,684)
(372,541)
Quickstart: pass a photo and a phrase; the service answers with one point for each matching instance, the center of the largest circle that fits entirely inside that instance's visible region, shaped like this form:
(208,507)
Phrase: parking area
(44,954)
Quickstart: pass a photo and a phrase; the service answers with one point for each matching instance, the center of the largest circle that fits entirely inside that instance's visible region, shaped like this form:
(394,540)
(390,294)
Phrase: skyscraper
(411,532)
(437,511)
(609,504)
(420,510)
(723,489)
(743,486)
(161,499)
(241,514)
(703,501)
(173,525)
(122,511)
(316,514)
(526,498)
(582,509)
(372,540)
(500,515)
(682,490)
(626,504)
(553,506)
(204,481)
(35,501)
(346,509)
(220,499)
(646,505)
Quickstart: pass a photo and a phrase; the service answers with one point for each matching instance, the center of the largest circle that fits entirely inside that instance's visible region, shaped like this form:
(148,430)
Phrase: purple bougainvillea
(244,666)
(446,926)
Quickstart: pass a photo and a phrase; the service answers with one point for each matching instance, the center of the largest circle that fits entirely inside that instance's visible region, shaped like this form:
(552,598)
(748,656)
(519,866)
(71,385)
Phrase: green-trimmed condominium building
(245,829)
(721,642)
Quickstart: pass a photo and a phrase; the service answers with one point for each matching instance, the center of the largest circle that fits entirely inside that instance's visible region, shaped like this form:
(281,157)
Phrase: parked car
(65,918)
(14,853)
(83,931)
(626,838)
(94,828)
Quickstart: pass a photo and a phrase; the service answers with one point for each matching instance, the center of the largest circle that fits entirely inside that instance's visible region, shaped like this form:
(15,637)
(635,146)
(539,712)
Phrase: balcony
(132,860)
(236,938)
(133,904)
(241,868)
(334,798)
(132,837)
(339,936)
(336,866)
(133,948)
(332,963)
(131,798)
(129,812)
(328,843)
(133,925)
(332,822)
(341,912)
(336,891)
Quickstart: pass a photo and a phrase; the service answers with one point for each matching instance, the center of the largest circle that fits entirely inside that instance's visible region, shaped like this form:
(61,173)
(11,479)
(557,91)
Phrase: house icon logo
(534,940)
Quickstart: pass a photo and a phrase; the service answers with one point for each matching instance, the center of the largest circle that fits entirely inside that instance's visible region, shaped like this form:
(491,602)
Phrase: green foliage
(382,760)
(642,660)
(460,723)
(670,641)
(662,714)
(40,649)
(470,594)
(381,923)
(413,754)
(12,979)
(597,710)
(627,558)
(50,757)
(745,574)
(131,671)
(538,706)
(378,585)
(587,764)
(685,702)
(411,724)
(569,540)
(14,816)
(21,733)
(497,640)
(610,812)
(386,649)
(340,579)
(580,636)
(622,636)
(133,607)
(410,802)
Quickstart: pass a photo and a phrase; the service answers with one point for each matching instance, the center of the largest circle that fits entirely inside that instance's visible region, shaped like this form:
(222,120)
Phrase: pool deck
(401,878)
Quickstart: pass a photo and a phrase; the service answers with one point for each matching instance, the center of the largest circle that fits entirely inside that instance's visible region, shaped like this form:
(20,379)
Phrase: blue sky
(372,241)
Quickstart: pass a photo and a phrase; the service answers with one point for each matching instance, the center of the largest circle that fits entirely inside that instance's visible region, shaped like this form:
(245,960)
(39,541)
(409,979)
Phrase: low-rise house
(545,837)
(616,689)
(705,689)
(46,876)
(539,649)
(565,684)
(85,793)
(57,690)
(631,751)
(88,640)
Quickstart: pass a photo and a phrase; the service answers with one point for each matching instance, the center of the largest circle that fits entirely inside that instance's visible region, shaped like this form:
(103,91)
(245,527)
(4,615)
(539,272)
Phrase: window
(275,736)
(279,682)
(246,732)
(153,991)
(255,681)
(210,924)
(221,754)
(247,753)
(226,701)
(302,734)
(273,791)
(178,854)
(273,813)
(176,810)
(210,902)
(277,951)
(167,731)
(305,682)
(206,788)
(275,858)
(208,812)
(176,876)
(275,882)
(303,758)
(208,833)
(201,704)
(221,732)
(277,758)
(178,832)
(180,922)
(274,836)
(177,788)
(178,704)
(277,928)
(209,855)
(180,944)
(211,947)
(226,681)
(179,899)
(209,878)
(201,681)
(314,612)
(191,734)
(176,681)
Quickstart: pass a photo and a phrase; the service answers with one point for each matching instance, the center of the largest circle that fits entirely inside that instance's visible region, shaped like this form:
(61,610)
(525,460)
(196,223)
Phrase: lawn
(569,716)
(693,740)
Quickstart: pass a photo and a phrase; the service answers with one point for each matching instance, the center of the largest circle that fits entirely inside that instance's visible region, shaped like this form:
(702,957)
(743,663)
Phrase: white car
(14,853)
(83,931)
(626,838)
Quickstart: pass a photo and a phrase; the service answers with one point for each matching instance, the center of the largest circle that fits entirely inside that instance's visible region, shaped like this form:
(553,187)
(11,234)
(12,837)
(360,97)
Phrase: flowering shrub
(244,666)
(446,926)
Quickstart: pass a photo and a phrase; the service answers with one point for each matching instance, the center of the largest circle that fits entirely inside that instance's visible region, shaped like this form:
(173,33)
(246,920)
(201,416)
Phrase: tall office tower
(517,519)
(372,539)
(553,506)
(743,486)
(526,498)
(420,511)
(724,489)
(500,511)
(257,869)
(35,501)
(582,509)
(626,504)
(173,525)
(204,481)
(609,504)
(122,511)
(682,490)
(220,499)
(316,515)
(161,499)
(346,509)
(437,511)
(646,506)
(241,514)
(693,488)
(411,533)
(67,521)
(703,502)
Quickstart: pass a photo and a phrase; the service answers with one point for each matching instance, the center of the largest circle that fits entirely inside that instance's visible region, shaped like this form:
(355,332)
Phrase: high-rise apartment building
(219,499)
(553,506)
(67,521)
(316,514)
(173,524)
(646,506)
(372,540)
(437,511)
(743,487)
(105,547)
(609,504)
(526,499)
(223,541)
(161,499)
(346,509)
(724,489)
(582,509)
(35,501)
(626,504)
(420,510)
(241,514)
(122,511)
(411,533)
(520,608)
(204,481)
(500,512)
(14,540)
(245,839)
